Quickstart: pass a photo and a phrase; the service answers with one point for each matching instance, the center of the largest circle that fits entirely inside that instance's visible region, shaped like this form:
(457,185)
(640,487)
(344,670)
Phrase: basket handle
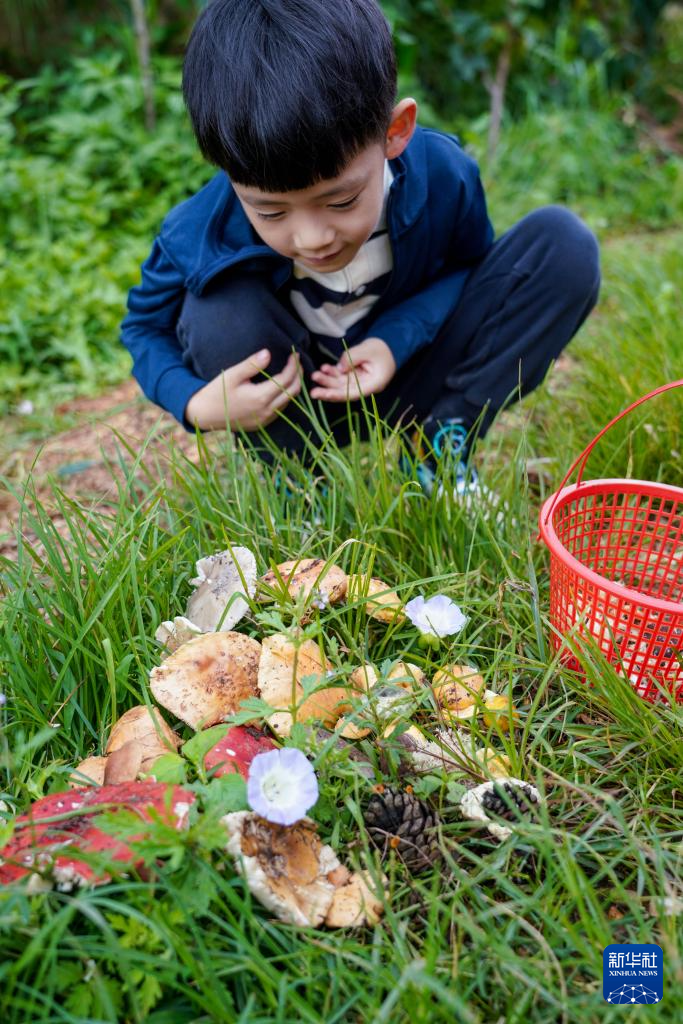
(580,462)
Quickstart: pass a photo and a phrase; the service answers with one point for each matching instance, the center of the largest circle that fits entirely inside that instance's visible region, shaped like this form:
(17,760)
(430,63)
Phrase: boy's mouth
(319,261)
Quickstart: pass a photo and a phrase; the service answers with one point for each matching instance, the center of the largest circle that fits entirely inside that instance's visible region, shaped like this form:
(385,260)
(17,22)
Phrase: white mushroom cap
(173,633)
(219,578)
(207,678)
(285,867)
(281,669)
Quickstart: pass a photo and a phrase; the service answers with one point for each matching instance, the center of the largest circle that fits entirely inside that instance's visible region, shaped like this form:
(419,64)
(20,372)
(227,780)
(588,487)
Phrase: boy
(341,241)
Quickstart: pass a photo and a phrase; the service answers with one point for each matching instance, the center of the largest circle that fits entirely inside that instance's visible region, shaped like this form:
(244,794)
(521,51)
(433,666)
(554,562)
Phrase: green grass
(511,931)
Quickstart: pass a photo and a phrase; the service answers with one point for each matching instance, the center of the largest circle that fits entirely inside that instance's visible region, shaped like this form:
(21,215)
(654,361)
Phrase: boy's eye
(346,204)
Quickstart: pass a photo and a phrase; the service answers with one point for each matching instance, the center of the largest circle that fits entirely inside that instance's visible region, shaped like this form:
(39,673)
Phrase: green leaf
(455,791)
(251,708)
(426,785)
(196,749)
(170,768)
(313,682)
(222,795)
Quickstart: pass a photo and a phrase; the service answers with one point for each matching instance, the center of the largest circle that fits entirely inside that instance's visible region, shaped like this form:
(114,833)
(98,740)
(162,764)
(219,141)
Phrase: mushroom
(57,830)
(459,689)
(147,728)
(363,678)
(394,693)
(381,602)
(405,675)
(286,867)
(282,668)
(349,730)
(305,575)
(173,633)
(354,904)
(124,764)
(236,751)
(456,688)
(207,678)
(495,764)
(466,675)
(498,711)
(89,772)
(219,578)
(427,755)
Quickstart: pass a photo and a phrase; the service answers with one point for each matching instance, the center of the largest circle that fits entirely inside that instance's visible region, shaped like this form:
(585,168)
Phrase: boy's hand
(246,406)
(364,370)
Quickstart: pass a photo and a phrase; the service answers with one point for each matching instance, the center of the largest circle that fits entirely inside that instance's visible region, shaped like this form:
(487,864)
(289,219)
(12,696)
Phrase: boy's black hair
(283,93)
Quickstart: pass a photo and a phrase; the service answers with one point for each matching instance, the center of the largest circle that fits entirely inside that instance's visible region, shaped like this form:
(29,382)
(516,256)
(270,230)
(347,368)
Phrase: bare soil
(83,461)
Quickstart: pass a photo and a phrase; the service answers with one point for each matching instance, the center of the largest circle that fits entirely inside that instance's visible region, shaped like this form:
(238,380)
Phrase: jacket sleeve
(149,334)
(411,324)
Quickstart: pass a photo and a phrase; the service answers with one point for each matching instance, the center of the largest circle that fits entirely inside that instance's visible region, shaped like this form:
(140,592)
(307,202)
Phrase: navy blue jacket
(438,226)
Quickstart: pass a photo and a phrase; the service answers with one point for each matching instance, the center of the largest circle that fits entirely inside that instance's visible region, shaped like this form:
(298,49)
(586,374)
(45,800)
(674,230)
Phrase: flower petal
(282,785)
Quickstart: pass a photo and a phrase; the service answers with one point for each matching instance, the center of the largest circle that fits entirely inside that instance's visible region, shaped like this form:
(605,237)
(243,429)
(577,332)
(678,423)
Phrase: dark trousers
(520,306)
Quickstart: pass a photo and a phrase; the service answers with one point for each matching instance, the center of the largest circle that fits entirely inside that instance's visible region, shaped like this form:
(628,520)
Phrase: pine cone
(508,801)
(398,820)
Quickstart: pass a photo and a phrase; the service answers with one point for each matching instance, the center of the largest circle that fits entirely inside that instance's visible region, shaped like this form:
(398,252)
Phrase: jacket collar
(408,193)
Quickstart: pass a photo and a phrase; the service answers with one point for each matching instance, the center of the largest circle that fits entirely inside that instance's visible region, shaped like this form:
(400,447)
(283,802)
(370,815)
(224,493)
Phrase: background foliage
(86,185)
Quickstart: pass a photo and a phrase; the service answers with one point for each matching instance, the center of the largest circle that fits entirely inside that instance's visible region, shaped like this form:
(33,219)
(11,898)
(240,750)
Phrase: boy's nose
(310,236)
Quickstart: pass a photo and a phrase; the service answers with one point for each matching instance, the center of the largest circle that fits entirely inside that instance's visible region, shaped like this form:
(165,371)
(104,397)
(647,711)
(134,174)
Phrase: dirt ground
(78,460)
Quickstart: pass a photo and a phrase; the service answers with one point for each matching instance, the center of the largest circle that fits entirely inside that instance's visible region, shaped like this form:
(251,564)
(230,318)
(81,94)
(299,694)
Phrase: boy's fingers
(268,389)
(288,374)
(348,390)
(250,366)
(284,397)
(327,379)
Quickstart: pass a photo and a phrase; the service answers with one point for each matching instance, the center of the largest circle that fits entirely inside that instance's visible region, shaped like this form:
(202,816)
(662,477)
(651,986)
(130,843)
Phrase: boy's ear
(401,128)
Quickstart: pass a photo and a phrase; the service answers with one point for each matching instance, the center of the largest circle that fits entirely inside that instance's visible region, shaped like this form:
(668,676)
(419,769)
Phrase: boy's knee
(570,250)
(232,320)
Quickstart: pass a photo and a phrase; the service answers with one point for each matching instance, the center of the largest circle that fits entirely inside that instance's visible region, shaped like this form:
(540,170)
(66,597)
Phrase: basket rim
(556,548)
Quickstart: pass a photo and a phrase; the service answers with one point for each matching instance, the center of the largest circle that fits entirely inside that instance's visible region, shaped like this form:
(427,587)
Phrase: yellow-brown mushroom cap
(207,678)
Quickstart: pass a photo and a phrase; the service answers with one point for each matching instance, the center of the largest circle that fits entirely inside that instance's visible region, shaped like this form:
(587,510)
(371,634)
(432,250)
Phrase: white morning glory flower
(281,785)
(439,616)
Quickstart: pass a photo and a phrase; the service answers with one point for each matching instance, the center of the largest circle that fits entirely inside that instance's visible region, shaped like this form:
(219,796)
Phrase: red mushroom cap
(236,751)
(46,846)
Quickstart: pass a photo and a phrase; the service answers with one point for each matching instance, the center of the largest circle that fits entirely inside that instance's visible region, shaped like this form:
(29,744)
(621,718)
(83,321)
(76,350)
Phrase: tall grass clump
(512,931)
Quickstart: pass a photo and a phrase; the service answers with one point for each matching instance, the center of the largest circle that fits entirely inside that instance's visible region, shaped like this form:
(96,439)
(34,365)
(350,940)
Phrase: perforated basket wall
(616,573)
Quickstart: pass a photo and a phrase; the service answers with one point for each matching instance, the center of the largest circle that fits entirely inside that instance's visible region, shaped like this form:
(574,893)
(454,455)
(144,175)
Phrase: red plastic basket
(616,571)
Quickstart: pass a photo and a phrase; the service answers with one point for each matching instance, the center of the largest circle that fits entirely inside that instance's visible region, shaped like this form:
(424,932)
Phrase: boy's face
(324,226)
